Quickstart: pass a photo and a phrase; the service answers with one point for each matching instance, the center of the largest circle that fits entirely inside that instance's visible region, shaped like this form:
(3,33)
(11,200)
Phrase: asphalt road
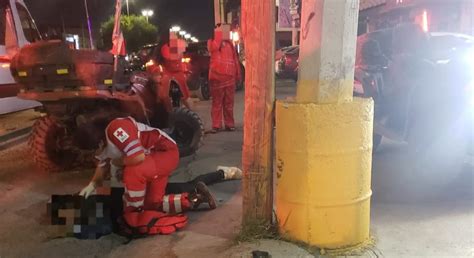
(421,205)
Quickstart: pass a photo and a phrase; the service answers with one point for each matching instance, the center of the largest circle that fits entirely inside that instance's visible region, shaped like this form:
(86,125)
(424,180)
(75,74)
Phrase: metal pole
(222,11)
(128,10)
(217,12)
(89,25)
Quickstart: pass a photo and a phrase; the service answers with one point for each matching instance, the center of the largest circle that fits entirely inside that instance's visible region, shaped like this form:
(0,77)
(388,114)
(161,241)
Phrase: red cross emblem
(121,135)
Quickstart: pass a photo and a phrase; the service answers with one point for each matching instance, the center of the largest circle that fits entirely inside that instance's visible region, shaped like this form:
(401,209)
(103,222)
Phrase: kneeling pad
(142,223)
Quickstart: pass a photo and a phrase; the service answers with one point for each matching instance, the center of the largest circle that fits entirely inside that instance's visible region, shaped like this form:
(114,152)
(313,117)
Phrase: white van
(17,29)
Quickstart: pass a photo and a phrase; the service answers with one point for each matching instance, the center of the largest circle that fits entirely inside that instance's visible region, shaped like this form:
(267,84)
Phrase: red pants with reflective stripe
(175,203)
(146,182)
(222,104)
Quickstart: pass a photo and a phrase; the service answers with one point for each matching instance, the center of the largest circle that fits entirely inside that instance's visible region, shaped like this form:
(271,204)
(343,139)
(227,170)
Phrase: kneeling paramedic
(148,157)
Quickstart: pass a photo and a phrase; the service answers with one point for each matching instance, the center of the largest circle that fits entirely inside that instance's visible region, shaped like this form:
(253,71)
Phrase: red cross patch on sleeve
(121,135)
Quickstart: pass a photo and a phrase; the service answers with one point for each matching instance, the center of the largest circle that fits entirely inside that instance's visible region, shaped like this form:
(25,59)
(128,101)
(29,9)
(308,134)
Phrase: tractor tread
(37,144)
(188,114)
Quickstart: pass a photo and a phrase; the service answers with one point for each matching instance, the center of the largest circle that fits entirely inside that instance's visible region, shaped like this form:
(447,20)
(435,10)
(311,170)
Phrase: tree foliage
(136,31)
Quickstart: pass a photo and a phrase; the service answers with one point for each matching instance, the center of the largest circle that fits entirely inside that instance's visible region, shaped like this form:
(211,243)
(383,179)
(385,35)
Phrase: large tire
(44,148)
(187,129)
(203,93)
(175,94)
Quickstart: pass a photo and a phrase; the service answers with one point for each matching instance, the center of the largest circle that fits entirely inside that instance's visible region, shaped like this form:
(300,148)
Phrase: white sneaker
(231,173)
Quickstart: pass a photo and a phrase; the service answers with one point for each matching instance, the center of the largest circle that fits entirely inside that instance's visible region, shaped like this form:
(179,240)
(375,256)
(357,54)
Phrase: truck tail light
(5,59)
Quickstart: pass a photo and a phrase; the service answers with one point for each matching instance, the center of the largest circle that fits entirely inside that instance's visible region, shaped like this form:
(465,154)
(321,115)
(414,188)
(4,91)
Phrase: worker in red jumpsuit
(148,156)
(171,69)
(223,76)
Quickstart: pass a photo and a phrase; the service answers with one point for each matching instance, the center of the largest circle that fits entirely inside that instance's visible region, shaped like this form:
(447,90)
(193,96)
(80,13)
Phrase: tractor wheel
(187,129)
(44,146)
(175,94)
(203,92)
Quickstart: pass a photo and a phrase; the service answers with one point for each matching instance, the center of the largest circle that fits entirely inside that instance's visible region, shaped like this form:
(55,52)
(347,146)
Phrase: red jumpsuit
(172,71)
(223,76)
(146,182)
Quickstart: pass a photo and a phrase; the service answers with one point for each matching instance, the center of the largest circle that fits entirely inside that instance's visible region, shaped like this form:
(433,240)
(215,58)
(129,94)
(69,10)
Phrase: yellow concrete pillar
(324,139)
(324,157)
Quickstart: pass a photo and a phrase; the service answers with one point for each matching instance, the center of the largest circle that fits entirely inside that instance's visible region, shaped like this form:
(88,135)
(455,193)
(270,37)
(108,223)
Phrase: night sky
(194,16)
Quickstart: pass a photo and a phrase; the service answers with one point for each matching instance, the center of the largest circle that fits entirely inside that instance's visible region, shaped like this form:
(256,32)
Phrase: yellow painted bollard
(324,157)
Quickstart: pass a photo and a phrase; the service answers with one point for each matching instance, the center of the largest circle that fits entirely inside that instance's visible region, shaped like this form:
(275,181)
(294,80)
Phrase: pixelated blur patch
(82,218)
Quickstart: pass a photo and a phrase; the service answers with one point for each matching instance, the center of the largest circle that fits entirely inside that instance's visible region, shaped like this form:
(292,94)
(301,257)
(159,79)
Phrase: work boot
(230,173)
(203,195)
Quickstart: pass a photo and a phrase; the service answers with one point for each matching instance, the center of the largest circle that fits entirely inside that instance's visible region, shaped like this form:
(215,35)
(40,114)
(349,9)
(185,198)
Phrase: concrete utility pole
(324,139)
(327,53)
(258,26)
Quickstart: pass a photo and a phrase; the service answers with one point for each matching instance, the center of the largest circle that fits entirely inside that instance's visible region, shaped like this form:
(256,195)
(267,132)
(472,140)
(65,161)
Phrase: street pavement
(421,206)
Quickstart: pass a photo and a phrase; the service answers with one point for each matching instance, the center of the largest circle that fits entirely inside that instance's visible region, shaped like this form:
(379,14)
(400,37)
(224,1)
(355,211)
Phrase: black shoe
(203,195)
(230,129)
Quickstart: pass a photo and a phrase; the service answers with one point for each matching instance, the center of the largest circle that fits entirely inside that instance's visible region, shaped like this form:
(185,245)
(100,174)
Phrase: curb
(16,137)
